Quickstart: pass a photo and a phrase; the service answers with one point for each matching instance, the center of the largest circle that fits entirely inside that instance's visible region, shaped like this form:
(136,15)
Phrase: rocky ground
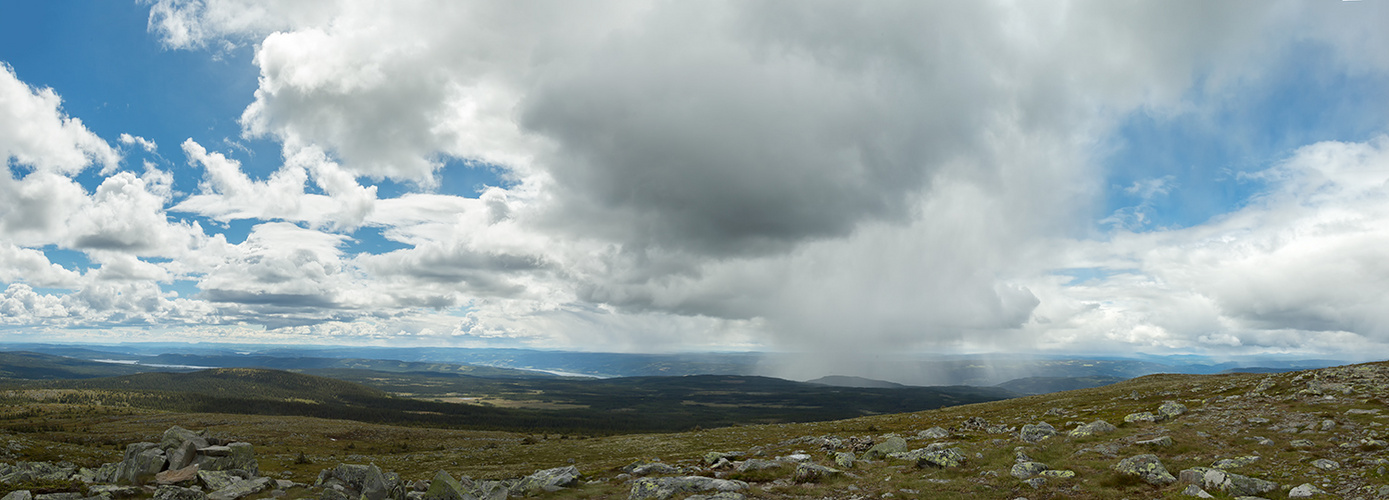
(1313,434)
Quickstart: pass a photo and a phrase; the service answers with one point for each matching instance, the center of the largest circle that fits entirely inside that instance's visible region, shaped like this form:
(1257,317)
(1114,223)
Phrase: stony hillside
(1311,434)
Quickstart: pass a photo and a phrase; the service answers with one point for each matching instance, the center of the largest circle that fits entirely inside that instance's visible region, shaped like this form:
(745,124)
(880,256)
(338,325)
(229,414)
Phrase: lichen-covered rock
(108,491)
(1092,429)
(214,480)
(1145,416)
(753,464)
(811,473)
(1170,410)
(1229,482)
(1147,467)
(722,495)
(177,436)
(1056,473)
(171,492)
(140,463)
(844,460)
(1024,470)
(665,488)
(1302,443)
(1160,442)
(235,456)
(933,433)
(652,469)
(891,445)
(18,495)
(548,480)
(1196,491)
(1324,464)
(951,457)
(1033,433)
(713,457)
(1232,463)
(1305,490)
(240,489)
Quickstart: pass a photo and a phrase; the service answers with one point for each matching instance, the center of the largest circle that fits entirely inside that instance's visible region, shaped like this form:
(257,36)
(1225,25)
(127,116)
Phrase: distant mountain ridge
(850,381)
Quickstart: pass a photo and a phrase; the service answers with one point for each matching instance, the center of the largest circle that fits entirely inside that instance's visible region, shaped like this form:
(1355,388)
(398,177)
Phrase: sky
(842,179)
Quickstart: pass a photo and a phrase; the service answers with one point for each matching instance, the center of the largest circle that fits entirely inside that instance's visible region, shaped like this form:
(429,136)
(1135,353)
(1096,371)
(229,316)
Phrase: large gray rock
(1146,467)
(1033,433)
(67,495)
(170,492)
(811,473)
(892,445)
(1092,429)
(243,488)
(18,495)
(176,437)
(235,456)
(549,480)
(108,491)
(933,433)
(445,487)
(1170,410)
(213,480)
(364,481)
(844,459)
(665,488)
(140,463)
(1024,470)
(945,458)
(753,464)
(182,455)
(1229,482)
(1306,490)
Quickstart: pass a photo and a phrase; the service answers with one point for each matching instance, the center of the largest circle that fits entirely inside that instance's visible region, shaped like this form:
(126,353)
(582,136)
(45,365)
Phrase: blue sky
(1209,181)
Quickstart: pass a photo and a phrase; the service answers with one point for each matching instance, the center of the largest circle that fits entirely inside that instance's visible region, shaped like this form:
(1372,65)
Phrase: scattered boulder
(713,457)
(1057,473)
(1160,441)
(1305,490)
(845,460)
(1033,433)
(1229,482)
(235,456)
(1146,467)
(1170,410)
(1196,491)
(445,487)
(753,464)
(1024,470)
(1146,416)
(1092,429)
(933,433)
(665,488)
(811,473)
(214,480)
(1324,464)
(242,488)
(113,491)
(140,463)
(653,468)
(951,457)
(364,482)
(18,495)
(1231,463)
(891,445)
(549,480)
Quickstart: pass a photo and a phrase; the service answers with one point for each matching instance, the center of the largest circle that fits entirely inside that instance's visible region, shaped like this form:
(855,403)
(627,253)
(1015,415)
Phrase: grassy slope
(1218,426)
(642,404)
